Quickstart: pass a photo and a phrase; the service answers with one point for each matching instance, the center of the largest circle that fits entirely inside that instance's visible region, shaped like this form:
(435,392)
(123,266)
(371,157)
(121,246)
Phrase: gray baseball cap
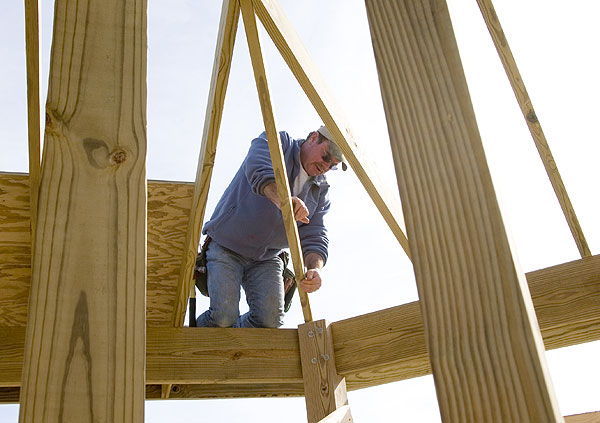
(333,147)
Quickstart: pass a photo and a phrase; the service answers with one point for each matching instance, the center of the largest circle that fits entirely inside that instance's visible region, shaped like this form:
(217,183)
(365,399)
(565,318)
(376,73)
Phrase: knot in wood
(532,117)
(175,388)
(118,157)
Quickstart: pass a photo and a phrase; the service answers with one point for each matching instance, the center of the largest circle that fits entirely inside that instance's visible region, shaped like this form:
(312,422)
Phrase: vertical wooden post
(484,344)
(324,389)
(85,342)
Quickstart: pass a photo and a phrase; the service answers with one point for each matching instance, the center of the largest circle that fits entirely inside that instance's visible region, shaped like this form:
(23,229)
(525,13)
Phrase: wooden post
(482,335)
(85,340)
(324,389)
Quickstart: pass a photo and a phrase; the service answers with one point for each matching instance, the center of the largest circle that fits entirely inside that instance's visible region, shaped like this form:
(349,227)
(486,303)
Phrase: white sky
(555,45)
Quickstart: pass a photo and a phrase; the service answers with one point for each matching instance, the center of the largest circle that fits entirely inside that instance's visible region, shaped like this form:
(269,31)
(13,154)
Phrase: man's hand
(312,281)
(300,210)
(312,278)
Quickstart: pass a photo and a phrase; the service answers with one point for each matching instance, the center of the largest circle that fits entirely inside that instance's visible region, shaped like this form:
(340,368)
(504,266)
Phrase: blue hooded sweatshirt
(248,223)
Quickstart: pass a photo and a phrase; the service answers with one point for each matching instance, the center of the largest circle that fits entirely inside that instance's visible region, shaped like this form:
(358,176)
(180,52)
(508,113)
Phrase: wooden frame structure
(76,348)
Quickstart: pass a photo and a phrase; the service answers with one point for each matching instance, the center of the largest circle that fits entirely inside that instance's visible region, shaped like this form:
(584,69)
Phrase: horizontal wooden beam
(584,418)
(373,349)
(210,391)
(168,210)
(566,298)
(222,356)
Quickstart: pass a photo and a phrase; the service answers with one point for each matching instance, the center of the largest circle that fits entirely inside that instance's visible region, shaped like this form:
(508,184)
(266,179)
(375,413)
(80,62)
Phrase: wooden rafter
(535,128)
(283,186)
(230,14)
(306,72)
(32,45)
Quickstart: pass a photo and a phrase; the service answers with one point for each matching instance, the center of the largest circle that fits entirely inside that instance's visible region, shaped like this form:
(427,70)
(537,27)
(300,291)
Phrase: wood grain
(169,206)
(584,418)
(324,389)
(32,48)
(484,343)
(85,339)
(230,13)
(372,349)
(279,169)
(223,356)
(535,128)
(15,249)
(168,210)
(209,391)
(306,72)
(341,415)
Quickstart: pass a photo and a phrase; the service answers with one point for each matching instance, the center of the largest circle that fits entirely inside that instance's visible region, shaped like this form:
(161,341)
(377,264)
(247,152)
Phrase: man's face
(315,156)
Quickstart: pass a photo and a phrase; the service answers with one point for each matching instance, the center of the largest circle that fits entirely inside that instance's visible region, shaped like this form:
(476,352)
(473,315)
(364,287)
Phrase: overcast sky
(555,45)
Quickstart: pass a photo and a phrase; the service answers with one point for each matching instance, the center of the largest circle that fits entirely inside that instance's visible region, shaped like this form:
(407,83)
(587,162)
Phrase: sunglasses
(326,157)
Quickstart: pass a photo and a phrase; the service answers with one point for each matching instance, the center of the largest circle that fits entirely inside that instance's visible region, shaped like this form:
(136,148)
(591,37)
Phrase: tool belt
(200,275)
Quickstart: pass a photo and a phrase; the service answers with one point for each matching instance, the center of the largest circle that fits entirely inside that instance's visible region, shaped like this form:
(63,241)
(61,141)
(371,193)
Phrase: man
(247,232)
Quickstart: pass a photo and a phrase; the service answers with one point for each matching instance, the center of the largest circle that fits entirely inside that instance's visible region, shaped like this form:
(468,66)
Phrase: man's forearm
(270,191)
(314,261)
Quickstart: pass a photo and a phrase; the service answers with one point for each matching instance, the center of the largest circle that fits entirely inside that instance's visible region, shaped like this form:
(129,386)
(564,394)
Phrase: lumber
(389,345)
(211,391)
(306,72)
(533,123)
(168,210)
(223,356)
(276,152)
(32,49)
(230,13)
(341,415)
(376,348)
(584,418)
(85,339)
(324,389)
(484,343)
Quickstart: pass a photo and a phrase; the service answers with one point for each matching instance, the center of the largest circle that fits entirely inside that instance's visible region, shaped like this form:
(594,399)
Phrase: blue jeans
(262,281)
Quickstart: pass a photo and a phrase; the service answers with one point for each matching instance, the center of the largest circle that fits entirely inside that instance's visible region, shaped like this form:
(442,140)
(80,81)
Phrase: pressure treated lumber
(584,418)
(223,356)
(306,72)
(85,339)
(482,335)
(341,415)
(32,48)
(168,210)
(324,389)
(230,13)
(535,128)
(275,150)
(372,349)
(212,391)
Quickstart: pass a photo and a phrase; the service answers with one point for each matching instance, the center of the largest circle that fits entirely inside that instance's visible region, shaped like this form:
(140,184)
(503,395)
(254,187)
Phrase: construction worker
(247,233)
